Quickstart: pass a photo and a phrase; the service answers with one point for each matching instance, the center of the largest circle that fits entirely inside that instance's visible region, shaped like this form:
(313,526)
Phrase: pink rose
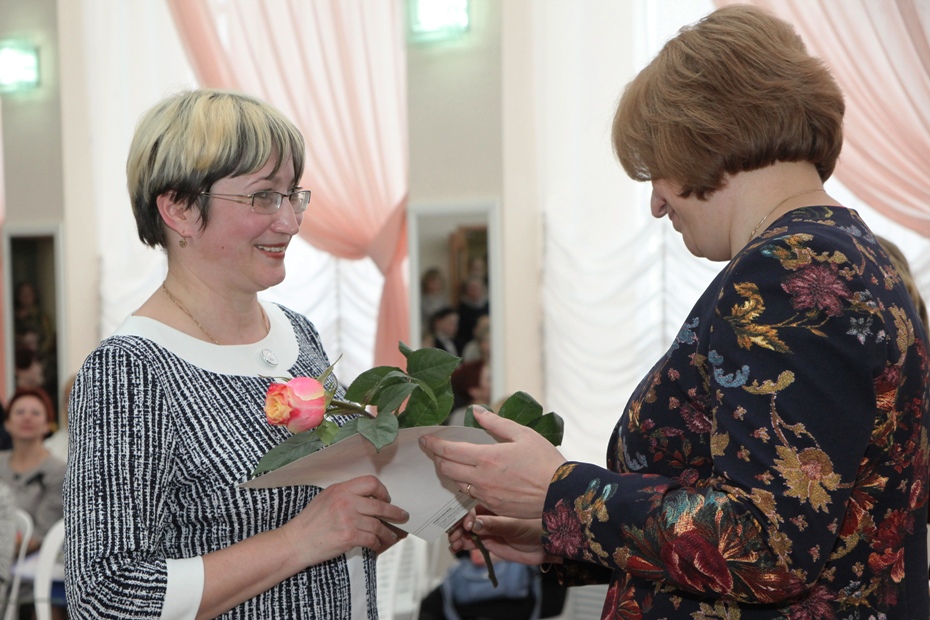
(298,404)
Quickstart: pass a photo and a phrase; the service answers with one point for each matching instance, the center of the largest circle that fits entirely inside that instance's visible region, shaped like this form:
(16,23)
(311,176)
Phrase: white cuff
(185,589)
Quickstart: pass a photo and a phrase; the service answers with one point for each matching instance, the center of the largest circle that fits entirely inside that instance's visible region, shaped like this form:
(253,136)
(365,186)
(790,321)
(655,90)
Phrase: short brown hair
(734,92)
(191,140)
(39,393)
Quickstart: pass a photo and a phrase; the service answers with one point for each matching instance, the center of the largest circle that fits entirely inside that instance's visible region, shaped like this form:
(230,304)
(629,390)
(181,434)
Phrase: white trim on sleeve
(185,589)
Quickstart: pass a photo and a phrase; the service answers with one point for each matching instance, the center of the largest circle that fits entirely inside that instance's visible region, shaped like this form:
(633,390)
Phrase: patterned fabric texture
(158,449)
(774,463)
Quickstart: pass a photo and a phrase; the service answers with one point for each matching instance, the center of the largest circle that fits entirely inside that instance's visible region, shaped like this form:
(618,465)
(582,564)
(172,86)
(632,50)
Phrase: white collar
(239,359)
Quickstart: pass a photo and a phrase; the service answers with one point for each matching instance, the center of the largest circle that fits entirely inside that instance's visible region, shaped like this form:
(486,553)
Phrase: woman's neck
(27,454)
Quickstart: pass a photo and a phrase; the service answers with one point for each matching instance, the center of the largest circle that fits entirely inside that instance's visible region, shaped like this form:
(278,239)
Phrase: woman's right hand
(343,516)
(517,540)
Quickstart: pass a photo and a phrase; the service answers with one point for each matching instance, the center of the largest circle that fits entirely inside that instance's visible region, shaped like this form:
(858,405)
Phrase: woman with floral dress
(774,462)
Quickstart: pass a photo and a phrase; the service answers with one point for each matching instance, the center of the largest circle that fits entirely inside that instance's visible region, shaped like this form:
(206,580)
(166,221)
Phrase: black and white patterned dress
(163,429)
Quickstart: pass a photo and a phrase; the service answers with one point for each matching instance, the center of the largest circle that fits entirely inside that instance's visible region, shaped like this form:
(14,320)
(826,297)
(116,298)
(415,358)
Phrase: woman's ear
(177,215)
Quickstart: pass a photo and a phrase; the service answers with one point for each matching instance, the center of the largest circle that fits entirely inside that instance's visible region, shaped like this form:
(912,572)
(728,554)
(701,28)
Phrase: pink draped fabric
(879,53)
(337,68)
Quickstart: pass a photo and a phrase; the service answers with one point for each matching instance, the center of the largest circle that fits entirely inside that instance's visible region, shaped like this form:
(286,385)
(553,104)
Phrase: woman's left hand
(517,540)
(510,478)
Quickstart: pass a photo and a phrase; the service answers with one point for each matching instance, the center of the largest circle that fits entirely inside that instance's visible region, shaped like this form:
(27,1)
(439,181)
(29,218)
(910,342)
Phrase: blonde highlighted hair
(734,92)
(189,141)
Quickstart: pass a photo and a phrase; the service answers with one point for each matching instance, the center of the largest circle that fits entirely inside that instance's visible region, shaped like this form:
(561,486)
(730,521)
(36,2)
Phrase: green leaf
(329,370)
(393,396)
(404,349)
(427,408)
(551,426)
(364,389)
(380,431)
(347,430)
(326,431)
(288,451)
(432,366)
(521,408)
(470,420)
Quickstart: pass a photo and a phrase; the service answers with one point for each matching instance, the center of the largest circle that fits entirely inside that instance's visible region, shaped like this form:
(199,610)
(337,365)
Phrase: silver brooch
(269,357)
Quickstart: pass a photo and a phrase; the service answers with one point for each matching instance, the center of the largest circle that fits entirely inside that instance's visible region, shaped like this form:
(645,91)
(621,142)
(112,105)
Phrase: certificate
(434,502)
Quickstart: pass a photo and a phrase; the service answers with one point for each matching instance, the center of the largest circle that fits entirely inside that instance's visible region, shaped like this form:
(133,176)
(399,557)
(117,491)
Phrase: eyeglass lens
(269,202)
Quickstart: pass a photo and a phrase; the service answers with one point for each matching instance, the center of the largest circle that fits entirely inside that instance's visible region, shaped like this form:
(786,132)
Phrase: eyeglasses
(269,202)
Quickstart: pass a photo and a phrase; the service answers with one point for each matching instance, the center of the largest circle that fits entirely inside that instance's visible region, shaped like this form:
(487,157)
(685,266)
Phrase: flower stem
(487,557)
(343,404)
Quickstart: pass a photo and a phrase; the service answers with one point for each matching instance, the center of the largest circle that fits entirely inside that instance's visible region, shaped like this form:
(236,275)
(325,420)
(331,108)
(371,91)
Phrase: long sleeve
(780,442)
(121,442)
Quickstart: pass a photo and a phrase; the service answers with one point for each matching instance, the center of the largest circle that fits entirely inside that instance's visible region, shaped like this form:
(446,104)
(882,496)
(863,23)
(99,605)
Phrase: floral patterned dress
(774,463)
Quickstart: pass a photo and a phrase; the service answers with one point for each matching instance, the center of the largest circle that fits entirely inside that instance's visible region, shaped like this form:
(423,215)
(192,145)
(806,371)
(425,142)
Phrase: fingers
(502,428)
(361,509)
(366,486)
(376,500)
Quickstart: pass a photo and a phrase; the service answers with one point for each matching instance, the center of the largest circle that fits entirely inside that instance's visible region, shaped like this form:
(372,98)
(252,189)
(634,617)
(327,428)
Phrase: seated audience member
(473,304)
(471,385)
(443,326)
(433,296)
(35,476)
(515,598)
(29,318)
(478,268)
(479,347)
(30,373)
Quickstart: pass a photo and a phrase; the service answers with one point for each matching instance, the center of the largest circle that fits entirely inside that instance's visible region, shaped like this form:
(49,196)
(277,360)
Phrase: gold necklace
(265,320)
(762,221)
(187,312)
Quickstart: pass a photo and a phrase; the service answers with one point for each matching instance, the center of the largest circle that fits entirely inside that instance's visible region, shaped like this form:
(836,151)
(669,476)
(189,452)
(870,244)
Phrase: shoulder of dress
(53,463)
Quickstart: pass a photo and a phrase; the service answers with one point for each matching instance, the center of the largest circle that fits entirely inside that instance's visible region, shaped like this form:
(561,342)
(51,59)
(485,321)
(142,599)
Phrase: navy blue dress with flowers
(774,463)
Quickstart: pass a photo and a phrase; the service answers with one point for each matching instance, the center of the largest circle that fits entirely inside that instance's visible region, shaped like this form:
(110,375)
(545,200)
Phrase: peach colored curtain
(879,52)
(338,69)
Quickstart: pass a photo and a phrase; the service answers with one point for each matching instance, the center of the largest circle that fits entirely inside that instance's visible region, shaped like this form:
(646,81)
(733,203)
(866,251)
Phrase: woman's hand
(517,540)
(343,516)
(510,478)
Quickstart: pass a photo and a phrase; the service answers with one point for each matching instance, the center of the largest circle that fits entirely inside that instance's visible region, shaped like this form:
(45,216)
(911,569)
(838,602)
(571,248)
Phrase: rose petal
(306,388)
(277,408)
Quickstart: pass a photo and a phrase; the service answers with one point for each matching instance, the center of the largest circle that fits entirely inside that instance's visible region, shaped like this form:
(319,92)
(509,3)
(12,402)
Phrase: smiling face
(242,251)
(704,224)
(27,419)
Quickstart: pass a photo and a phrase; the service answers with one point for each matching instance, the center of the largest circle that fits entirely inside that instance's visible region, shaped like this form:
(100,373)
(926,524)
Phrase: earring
(182,242)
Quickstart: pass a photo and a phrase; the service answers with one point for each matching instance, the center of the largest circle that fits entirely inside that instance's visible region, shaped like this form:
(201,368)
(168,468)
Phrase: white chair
(49,553)
(402,579)
(584,602)
(24,529)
